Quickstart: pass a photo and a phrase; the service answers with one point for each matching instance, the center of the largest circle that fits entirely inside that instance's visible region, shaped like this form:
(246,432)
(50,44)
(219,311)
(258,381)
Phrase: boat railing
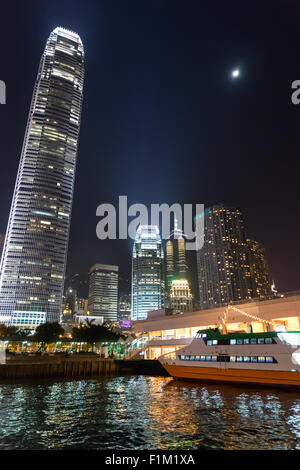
(169,355)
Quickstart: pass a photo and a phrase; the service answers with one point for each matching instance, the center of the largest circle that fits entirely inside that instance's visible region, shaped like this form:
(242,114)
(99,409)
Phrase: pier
(80,366)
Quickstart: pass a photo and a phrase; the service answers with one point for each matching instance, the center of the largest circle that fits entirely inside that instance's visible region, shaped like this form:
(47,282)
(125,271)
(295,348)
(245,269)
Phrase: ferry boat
(271,358)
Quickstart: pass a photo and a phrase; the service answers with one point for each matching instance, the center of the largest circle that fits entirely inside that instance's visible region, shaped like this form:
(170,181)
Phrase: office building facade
(180,297)
(223,264)
(259,271)
(103,291)
(147,272)
(35,249)
(176,266)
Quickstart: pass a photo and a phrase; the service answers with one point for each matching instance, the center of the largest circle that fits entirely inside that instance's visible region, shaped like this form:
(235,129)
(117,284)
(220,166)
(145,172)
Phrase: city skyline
(149,228)
(201,155)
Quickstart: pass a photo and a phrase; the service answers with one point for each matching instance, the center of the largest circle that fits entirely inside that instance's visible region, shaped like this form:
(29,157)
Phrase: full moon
(235,73)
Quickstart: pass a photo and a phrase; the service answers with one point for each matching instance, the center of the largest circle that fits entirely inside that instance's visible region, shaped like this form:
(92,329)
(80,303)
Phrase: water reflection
(145,413)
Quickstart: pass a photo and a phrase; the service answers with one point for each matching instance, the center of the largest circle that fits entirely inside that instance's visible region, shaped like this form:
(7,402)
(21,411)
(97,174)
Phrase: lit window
(260,341)
(269,359)
(232,358)
(246,341)
(253,359)
(233,341)
(268,340)
(239,359)
(253,340)
(261,359)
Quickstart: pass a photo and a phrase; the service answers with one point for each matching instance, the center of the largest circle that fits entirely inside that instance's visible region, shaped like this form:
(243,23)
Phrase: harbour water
(144,412)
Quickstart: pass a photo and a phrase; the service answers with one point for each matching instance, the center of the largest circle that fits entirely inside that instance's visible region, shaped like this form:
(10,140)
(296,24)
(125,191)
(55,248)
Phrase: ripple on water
(145,413)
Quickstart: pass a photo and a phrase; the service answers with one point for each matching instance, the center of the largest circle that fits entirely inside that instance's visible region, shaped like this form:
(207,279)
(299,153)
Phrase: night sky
(162,119)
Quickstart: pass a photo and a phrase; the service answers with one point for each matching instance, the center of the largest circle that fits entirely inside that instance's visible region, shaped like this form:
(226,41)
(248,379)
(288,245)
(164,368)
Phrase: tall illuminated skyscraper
(176,267)
(147,272)
(223,264)
(103,291)
(180,297)
(35,250)
(259,269)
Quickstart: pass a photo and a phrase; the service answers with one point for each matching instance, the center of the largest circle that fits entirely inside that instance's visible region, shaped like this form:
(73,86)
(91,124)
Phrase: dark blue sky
(162,121)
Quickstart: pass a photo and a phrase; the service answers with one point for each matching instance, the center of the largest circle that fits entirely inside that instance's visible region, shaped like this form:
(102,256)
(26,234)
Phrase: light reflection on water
(142,412)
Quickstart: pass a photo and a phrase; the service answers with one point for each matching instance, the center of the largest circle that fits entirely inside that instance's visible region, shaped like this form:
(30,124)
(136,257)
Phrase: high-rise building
(35,250)
(180,297)
(259,270)
(176,264)
(103,291)
(223,266)
(147,272)
(70,299)
(176,267)
(124,312)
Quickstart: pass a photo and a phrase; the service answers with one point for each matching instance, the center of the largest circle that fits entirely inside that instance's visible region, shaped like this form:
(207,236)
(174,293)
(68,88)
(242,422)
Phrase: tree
(7,331)
(92,334)
(48,333)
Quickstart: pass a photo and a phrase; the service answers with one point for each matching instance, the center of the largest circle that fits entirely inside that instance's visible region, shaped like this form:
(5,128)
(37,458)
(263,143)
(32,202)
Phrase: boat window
(192,358)
(209,342)
(239,341)
(208,358)
(253,340)
(268,340)
(246,359)
(213,358)
(215,341)
(233,341)
(239,358)
(269,359)
(185,358)
(232,358)
(202,358)
(197,358)
(260,341)
(253,359)
(201,335)
(246,341)
(261,359)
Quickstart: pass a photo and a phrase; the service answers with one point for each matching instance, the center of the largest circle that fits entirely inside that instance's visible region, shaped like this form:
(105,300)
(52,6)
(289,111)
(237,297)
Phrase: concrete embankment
(57,366)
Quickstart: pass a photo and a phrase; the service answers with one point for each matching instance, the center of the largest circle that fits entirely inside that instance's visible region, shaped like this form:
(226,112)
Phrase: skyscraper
(176,267)
(259,270)
(147,272)
(103,291)
(35,250)
(124,311)
(180,297)
(223,266)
